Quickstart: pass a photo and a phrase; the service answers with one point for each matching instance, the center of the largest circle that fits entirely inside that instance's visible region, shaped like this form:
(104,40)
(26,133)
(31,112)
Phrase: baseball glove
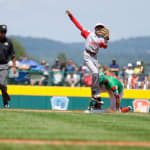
(105,33)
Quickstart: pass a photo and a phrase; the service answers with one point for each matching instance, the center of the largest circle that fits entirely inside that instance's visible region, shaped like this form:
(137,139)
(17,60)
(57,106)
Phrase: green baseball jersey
(111,83)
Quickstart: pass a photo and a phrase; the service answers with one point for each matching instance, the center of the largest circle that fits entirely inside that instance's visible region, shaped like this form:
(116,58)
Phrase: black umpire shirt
(6,51)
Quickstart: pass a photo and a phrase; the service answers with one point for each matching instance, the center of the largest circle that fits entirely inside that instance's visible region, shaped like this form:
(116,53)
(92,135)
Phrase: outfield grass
(74,126)
(64,147)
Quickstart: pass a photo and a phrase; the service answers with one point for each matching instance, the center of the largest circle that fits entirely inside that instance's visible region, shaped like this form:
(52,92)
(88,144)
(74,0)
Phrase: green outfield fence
(67,98)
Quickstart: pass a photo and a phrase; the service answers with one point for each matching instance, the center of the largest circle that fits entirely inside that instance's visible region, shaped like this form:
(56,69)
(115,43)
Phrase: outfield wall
(67,98)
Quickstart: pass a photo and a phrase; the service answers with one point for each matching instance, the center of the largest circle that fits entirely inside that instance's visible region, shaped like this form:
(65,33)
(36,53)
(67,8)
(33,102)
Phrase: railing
(50,78)
(47,78)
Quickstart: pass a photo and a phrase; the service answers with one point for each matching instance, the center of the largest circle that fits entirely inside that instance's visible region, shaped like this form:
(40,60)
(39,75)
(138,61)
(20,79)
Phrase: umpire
(6,51)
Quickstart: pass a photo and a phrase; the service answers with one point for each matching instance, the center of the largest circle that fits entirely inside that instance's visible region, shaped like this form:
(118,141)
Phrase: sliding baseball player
(115,90)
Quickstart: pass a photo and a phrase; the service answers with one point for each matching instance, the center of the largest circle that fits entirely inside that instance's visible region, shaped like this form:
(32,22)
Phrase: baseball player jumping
(93,42)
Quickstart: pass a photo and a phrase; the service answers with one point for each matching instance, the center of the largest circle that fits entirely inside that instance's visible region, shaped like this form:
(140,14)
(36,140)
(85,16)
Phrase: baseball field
(45,130)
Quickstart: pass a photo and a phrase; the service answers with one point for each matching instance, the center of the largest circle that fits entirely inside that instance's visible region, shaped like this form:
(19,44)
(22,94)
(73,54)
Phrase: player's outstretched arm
(74,20)
(84,33)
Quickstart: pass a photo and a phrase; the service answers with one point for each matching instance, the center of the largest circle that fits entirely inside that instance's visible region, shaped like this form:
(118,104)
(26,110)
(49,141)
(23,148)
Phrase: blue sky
(47,18)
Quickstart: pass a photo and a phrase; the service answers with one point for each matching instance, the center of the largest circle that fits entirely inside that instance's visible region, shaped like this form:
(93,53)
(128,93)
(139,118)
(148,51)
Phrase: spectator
(57,72)
(63,66)
(129,72)
(139,68)
(77,72)
(42,65)
(71,77)
(10,63)
(108,72)
(20,58)
(85,71)
(114,67)
(134,81)
(45,75)
(24,69)
(148,82)
(100,68)
(36,72)
(105,69)
(11,74)
(87,80)
(35,78)
(84,75)
(31,63)
(23,59)
(123,76)
(56,66)
(142,78)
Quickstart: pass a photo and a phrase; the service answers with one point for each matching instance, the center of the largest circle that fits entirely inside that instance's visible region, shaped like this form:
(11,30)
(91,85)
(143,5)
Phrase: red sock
(124,109)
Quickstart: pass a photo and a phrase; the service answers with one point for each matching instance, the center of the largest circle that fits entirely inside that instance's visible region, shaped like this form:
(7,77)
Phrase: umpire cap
(3,28)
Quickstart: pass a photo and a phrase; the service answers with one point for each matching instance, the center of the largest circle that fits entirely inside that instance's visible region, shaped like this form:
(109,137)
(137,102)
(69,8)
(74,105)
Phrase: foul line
(81,143)
(43,110)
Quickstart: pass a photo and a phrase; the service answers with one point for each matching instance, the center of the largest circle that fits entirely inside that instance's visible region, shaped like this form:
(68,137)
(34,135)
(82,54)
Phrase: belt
(91,53)
(3,63)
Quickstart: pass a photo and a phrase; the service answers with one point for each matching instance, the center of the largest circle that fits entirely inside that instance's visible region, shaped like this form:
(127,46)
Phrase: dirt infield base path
(81,143)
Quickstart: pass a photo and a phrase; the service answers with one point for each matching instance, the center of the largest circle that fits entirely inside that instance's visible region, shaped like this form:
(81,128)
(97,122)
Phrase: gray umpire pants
(92,63)
(3,85)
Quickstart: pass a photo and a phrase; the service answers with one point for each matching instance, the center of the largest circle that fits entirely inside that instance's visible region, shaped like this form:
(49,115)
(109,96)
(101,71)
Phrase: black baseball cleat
(97,96)
(97,103)
(97,100)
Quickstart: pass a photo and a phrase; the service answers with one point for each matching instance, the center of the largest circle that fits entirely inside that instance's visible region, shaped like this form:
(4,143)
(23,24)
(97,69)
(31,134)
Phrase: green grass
(73,126)
(64,147)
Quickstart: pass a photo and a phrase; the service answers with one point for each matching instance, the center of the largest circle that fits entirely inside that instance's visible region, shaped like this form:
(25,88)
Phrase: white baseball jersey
(93,42)
(92,45)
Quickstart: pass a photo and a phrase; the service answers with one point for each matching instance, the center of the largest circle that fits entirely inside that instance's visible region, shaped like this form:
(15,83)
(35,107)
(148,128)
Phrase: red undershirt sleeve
(84,33)
(102,44)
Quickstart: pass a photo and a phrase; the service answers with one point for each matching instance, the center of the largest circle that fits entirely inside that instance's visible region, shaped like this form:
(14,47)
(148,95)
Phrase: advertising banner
(59,102)
(141,105)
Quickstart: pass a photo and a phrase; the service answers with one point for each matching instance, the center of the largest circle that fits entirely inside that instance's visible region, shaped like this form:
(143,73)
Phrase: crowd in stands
(29,72)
